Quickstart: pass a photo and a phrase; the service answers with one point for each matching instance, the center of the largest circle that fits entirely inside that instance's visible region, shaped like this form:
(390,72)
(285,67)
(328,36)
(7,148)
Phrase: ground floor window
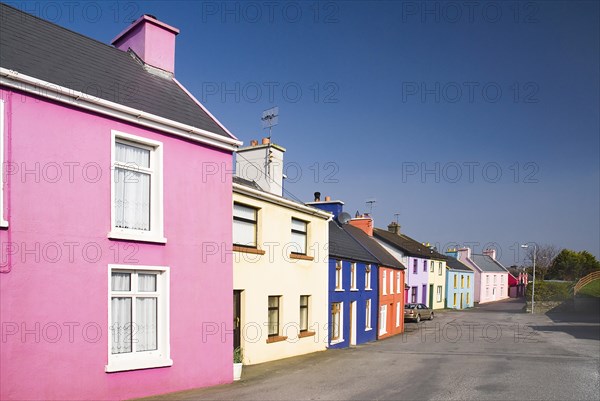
(304,312)
(454,303)
(138,317)
(398,314)
(439,293)
(467,298)
(413,295)
(368,315)
(273,323)
(336,321)
(383,319)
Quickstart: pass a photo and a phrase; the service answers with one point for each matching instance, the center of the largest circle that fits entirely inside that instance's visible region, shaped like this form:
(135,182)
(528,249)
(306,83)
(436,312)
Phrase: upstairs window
(368,277)
(440,270)
(431,266)
(299,237)
(415,266)
(245,223)
(304,312)
(137,199)
(273,317)
(353,276)
(338,275)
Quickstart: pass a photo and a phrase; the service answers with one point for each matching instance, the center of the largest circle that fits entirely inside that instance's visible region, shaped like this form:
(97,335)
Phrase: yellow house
(280,270)
(437,282)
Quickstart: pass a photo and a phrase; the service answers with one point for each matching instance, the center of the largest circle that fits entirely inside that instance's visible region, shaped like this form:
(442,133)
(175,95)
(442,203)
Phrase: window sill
(138,237)
(339,290)
(303,334)
(3,224)
(368,329)
(247,249)
(122,366)
(334,342)
(354,289)
(368,289)
(276,339)
(301,257)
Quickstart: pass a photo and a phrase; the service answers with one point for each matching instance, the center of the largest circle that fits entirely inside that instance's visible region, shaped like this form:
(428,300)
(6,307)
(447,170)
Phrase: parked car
(417,312)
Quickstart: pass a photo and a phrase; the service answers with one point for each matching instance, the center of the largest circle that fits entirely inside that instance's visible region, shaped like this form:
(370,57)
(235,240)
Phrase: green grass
(591,289)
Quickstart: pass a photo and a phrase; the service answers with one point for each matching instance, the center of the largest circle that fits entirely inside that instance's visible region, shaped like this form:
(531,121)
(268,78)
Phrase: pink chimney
(491,253)
(151,40)
(464,253)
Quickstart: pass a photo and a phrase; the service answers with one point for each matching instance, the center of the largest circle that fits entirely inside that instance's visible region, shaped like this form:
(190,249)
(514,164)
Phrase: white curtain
(273,315)
(299,238)
(132,188)
(146,324)
(121,314)
(383,319)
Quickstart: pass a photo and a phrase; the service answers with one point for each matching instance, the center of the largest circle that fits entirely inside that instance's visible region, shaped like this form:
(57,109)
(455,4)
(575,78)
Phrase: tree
(543,259)
(572,265)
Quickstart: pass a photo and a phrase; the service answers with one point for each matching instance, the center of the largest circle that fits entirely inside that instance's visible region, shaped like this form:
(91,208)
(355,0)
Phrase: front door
(237,317)
(430,296)
(352,323)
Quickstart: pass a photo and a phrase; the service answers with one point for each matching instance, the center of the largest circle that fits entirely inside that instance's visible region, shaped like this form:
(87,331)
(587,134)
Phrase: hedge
(551,291)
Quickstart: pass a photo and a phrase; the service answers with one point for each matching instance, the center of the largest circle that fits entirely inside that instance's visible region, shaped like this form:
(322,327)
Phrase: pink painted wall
(73,289)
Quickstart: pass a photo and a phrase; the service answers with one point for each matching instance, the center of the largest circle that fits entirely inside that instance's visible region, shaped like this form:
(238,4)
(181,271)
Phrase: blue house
(460,282)
(353,285)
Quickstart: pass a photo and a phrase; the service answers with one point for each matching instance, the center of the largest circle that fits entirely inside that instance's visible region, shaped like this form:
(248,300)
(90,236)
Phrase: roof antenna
(397,215)
(270,118)
(370,202)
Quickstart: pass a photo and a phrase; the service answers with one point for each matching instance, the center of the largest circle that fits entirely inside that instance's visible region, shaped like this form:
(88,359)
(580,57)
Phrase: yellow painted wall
(437,280)
(275,273)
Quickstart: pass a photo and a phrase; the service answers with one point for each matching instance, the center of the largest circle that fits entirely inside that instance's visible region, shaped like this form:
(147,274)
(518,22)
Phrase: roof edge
(38,87)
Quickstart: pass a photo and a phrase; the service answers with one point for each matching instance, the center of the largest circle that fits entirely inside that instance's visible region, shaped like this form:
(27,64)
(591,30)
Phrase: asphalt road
(492,352)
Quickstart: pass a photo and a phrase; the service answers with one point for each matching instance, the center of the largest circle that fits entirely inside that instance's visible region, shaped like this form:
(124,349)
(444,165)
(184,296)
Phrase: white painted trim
(3,222)
(204,108)
(162,356)
(16,80)
(156,233)
(244,190)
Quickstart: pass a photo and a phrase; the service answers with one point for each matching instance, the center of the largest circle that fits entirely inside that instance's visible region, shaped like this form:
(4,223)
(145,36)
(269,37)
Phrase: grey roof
(46,51)
(409,246)
(374,248)
(456,264)
(487,264)
(245,182)
(343,245)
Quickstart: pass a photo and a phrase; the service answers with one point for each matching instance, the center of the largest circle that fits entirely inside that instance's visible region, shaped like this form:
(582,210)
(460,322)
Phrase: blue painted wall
(450,290)
(360,296)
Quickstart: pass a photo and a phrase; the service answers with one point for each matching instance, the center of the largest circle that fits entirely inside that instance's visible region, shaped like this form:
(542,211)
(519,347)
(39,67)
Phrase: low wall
(545,306)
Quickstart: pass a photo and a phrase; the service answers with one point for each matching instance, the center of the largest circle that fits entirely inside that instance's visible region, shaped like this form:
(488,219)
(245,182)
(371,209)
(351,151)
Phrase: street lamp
(533,284)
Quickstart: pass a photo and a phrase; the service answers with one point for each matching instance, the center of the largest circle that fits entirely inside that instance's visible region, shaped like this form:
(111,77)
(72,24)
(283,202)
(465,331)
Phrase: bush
(550,291)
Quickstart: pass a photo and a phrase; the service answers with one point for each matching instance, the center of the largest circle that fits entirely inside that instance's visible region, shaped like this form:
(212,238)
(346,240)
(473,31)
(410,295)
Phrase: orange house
(390,315)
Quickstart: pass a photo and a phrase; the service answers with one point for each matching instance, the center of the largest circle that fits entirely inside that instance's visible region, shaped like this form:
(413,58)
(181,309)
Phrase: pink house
(491,278)
(115,207)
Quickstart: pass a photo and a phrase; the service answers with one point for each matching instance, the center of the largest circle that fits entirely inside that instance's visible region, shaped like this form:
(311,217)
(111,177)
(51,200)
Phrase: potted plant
(238,357)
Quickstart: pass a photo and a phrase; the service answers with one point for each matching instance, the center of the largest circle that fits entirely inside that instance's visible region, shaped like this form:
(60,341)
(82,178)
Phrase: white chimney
(464,253)
(262,164)
(151,40)
(491,253)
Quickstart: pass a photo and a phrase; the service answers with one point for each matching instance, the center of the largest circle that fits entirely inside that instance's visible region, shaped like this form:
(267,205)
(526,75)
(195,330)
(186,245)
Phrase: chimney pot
(253,142)
(327,198)
(317,197)
(266,141)
(394,227)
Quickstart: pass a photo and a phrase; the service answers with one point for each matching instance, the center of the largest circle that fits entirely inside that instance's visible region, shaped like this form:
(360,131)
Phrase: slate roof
(46,51)
(408,245)
(245,182)
(456,264)
(373,247)
(487,264)
(343,245)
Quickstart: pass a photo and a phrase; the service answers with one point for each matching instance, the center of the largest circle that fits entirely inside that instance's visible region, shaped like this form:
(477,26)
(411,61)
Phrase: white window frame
(3,222)
(391,282)
(156,232)
(341,328)
(353,277)
(398,284)
(397,314)
(339,275)
(305,233)
(439,292)
(368,272)
(161,357)
(382,320)
(384,282)
(368,322)
(440,268)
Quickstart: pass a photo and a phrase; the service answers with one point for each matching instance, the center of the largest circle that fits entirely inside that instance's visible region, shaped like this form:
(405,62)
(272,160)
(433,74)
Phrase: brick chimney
(491,253)
(394,227)
(364,222)
(151,40)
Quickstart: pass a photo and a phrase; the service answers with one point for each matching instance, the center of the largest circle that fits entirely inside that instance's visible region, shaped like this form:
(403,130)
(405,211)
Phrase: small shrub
(550,291)
(238,355)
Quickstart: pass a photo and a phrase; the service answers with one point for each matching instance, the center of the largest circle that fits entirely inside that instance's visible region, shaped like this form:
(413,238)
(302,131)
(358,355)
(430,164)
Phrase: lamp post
(533,283)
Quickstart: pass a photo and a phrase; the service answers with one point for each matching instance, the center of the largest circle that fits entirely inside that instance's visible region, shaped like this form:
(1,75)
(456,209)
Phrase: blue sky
(478,124)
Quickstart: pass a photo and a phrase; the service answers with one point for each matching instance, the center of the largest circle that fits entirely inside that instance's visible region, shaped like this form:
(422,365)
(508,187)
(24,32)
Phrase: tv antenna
(270,118)
(370,202)
(397,215)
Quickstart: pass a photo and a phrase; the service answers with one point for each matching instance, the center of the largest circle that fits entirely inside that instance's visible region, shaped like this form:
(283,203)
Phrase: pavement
(491,352)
